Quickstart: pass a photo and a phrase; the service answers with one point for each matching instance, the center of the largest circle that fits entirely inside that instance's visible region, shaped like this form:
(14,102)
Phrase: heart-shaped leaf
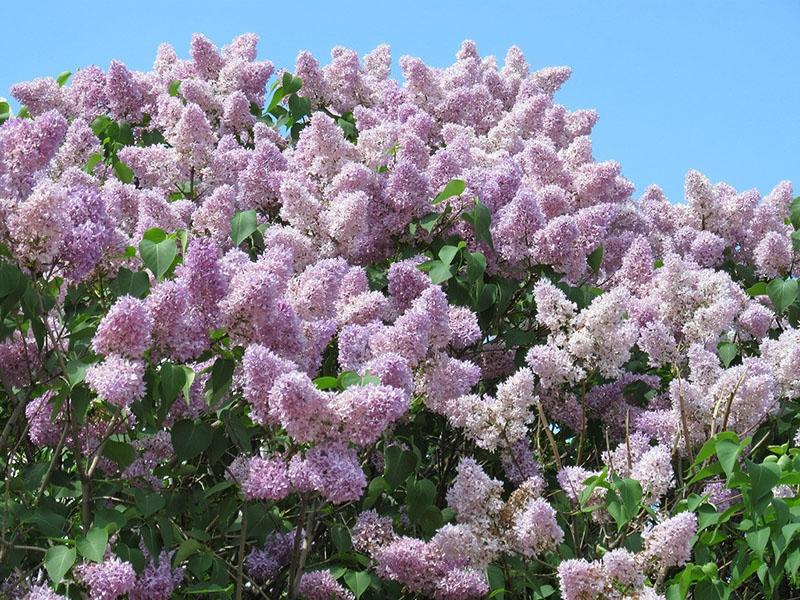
(158,251)
(93,545)
(243,225)
(454,187)
(57,561)
(782,292)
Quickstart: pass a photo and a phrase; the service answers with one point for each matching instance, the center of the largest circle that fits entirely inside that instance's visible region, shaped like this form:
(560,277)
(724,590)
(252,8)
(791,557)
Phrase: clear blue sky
(708,84)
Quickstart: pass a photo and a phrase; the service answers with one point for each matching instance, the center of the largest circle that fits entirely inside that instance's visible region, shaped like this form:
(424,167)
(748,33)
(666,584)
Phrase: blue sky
(708,84)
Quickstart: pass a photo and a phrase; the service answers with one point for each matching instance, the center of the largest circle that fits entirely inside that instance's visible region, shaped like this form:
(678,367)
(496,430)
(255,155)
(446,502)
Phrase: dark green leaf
(190,439)
(173,378)
(123,172)
(121,453)
(728,449)
(341,538)
(148,502)
(398,465)
(476,266)
(595,259)
(440,272)
(447,254)
(131,283)
(763,478)
(419,496)
(481,219)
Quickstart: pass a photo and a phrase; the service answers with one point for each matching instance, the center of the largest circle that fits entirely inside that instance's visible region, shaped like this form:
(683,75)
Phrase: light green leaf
(243,224)
(357,581)
(455,187)
(157,251)
(57,561)
(782,293)
(447,254)
(727,352)
(757,540)
(93,545)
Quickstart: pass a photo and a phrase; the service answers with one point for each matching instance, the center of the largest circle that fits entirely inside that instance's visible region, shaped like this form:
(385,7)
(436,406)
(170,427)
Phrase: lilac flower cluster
(627,302)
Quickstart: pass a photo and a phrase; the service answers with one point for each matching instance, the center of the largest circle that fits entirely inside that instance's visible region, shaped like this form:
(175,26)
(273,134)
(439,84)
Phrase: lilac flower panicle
(107,580)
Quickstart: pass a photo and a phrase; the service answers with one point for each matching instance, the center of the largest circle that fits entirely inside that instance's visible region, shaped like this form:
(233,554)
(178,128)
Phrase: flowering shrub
(324,335)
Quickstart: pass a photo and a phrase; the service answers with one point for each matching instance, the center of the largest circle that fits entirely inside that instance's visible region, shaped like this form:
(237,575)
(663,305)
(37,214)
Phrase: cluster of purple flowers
(334,208)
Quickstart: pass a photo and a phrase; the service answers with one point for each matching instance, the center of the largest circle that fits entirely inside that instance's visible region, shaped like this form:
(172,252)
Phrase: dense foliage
(341,337)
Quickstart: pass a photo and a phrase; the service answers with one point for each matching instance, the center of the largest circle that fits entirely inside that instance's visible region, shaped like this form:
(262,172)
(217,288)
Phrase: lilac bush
(323,334)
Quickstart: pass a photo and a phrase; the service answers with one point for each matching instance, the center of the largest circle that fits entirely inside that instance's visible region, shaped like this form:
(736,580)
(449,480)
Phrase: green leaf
(123,172)
(5,110)
(190,439)
(357,581)
(476,266)
(622,500)
(428,222)
(447,254)
(147,502)
(326,382)
(173,378)
(187,548)
(795,213)
(782,292)
(763,478)
(728,449)
(340,536)
(430,519)
(131,283)
(455,187)
(57,561)
(497,581)
(727,352)
(299,106)
(76,372)
(595,259)
(121,453)
(795,237)
(243,224)
(188,375)
(220,380)
(11,279)
(440,272)
(758,289)
(757,540)
(157,251)
(481,219)
(94,159)
(291,83)
(93,545)
(398,465)
(419,496)
(174,87)
(63,77)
